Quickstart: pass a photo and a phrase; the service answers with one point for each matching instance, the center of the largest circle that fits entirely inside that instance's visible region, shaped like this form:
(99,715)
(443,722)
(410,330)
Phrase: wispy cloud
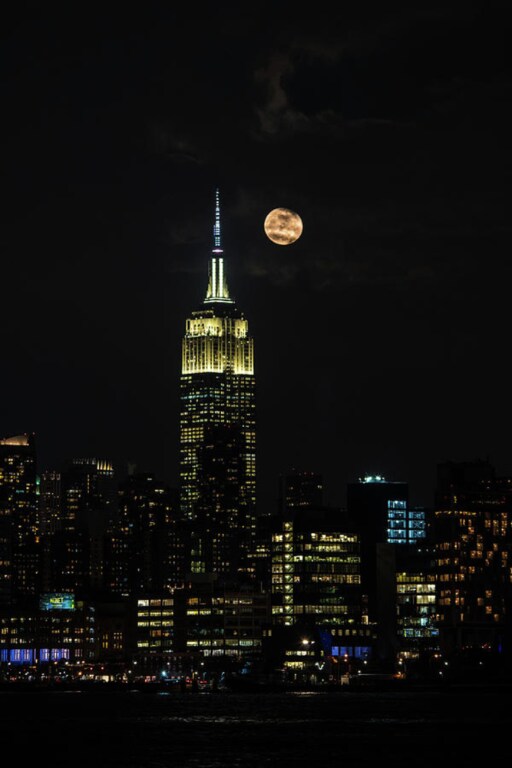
(275,113)
(164,141)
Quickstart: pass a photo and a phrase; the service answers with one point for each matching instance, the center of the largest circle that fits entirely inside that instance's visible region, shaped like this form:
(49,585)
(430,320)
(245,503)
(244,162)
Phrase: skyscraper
(50,501)
(415,601)
(146,536)
(378,511)
(473,541)
(76,547)
(217,425)
(299,489)
(20,550)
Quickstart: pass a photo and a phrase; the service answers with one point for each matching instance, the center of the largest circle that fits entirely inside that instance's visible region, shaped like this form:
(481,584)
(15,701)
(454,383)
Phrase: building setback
(217,427)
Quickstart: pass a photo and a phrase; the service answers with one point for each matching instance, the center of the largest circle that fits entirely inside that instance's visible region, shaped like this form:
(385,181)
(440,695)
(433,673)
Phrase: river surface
(213,730)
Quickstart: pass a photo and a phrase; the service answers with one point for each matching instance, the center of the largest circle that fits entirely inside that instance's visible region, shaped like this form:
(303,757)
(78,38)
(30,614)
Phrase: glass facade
(315,576)
(416,609)
(404,525)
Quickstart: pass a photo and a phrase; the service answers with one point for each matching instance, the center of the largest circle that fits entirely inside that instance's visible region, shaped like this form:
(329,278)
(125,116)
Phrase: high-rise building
(20,551)
(217,425)
(316,570)
(50,521)
(473,540)
(378,509)
(146,543)
(76,549)
(299,489)
(50,502)
(316,588)
(415,601)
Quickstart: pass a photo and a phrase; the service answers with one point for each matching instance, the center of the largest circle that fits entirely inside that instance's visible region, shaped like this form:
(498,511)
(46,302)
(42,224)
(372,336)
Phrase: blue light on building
(405,526)
(352,651)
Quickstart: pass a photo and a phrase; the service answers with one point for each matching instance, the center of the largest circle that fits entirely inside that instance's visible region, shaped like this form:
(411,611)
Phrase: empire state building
(217,425)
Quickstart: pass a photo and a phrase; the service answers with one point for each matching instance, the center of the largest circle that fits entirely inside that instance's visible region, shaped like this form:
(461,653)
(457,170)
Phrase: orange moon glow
(283,226)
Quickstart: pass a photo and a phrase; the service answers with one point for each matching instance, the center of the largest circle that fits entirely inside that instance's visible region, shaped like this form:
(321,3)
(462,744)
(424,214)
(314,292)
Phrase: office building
(59,629)
(20,548)
(225,621)
(473,541)
(217,426)
(316,582)
(146,546)
(76,547)
(300,489)
(416,620)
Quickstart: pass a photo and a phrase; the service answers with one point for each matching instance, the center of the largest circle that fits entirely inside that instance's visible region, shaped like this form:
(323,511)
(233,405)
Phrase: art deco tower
(217,425)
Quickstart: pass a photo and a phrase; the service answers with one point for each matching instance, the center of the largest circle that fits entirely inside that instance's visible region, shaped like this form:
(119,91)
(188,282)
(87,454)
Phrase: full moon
(283,226)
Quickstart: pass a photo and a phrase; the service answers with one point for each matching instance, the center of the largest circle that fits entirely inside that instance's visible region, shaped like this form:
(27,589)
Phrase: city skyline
(395,158)
(96,572)
(255,488)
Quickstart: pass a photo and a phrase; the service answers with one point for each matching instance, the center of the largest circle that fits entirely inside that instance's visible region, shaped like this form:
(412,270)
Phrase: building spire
(216,227)
(217,284)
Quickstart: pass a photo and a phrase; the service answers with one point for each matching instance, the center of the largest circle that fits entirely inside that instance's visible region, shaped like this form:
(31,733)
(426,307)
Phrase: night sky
(382,336)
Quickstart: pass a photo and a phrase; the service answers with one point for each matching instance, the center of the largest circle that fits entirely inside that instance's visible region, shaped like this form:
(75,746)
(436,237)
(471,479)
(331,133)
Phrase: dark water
(150,730)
